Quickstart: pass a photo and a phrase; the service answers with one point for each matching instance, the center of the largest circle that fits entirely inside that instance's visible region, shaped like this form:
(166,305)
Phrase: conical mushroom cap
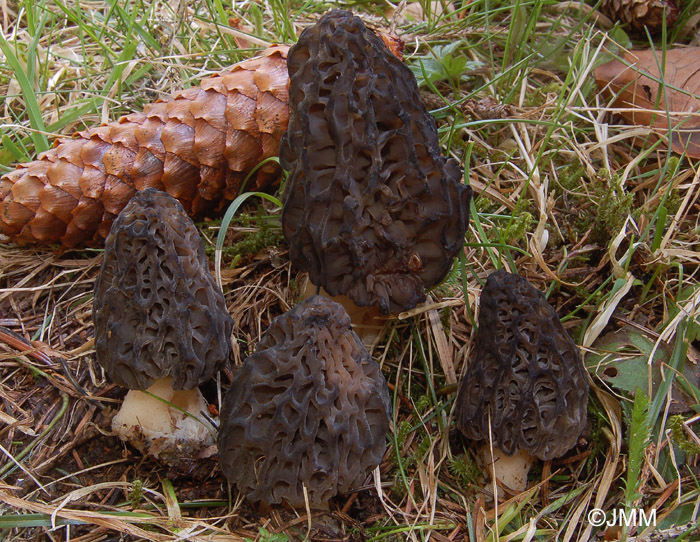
(526,376)
(157,310)
(310,408)
(372,210)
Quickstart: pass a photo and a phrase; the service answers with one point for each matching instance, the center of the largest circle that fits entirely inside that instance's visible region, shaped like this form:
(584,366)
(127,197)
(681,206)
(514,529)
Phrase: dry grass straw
(562,196)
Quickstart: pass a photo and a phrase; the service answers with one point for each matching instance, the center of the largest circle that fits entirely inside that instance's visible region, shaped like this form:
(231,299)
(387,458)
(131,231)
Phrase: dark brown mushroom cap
(525,372)
(310,407)
(157,309)
(372,209)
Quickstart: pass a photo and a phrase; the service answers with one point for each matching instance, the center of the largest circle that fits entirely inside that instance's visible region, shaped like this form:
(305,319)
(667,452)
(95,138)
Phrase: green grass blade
(41,143)
(226,222)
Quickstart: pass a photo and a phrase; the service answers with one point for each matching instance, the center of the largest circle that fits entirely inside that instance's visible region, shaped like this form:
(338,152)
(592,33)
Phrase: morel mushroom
(371,208)
(526,377)
(160,323)
(198,146)
(310,408)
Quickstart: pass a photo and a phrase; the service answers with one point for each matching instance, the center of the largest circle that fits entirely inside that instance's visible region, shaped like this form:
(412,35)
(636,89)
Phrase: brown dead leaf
(671,101)
(240,38)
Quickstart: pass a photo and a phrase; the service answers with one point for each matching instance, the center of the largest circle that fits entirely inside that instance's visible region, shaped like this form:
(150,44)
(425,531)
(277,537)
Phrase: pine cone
(198,146)
(642,13)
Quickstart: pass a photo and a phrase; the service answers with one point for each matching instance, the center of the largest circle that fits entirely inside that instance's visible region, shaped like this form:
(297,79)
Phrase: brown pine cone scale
(639,14)
(197,146)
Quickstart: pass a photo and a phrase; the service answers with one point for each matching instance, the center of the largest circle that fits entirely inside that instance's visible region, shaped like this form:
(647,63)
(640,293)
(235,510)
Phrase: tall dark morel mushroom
(372,209)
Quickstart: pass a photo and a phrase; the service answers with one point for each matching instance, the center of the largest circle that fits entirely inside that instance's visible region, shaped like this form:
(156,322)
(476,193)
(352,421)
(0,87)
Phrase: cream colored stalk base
(511,470)
(157,429)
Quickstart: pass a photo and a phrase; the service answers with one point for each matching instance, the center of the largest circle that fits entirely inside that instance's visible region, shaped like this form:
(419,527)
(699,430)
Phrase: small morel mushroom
(160,323)
(310,408)
(526,377)
(372,210)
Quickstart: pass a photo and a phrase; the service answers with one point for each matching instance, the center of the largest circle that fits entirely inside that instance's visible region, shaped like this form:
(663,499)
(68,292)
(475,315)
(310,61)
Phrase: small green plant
(422,403)
(423,448)
(402,431)
(639,431)
(599,427)
(266,536)
(639,435)
(520,224)
(539,97)
(443,64)
(571,176)
(268,234)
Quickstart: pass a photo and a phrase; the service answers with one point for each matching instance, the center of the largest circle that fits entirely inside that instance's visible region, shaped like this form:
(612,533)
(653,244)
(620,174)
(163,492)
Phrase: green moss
(534,99)
(446,313)
(602,208)
(402,432)
(571,176)
(480,151)
(136,494)
(520,224)
(596,299)
(268,233)
(597,439)
(673,202)
(553,88)
(450,282)
(464,469)
(253,243)
(614,206)
(678,436)
(539,97)
(422,404)
(672,164)
(485,205)
(422,449)
(398,488)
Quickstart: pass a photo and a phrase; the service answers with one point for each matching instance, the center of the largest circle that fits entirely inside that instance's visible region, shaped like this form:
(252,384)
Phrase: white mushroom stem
(164,422)
(510,470)
(367,322)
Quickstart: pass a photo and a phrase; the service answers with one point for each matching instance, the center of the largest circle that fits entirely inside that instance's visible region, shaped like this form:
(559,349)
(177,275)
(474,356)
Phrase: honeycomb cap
(309,408)
(157,310)
(526,374)
(372,210)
